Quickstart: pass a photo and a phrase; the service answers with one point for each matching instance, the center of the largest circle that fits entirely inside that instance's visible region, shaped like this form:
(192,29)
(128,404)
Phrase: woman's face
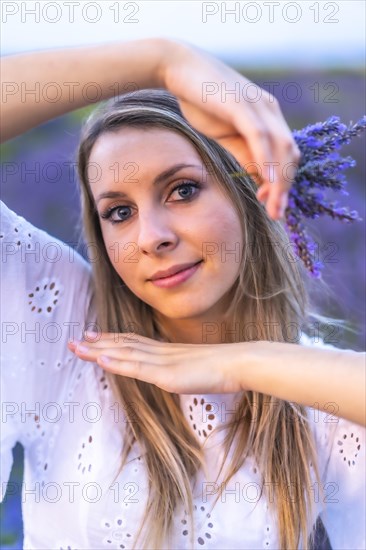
(159,208)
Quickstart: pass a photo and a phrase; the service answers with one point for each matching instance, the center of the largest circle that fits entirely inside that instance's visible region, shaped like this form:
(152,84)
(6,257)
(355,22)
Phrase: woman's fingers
(154,351)
(89,353)
(179,368)
(123,340)
(274,149)
(132,369)
(133,365)
(133,362)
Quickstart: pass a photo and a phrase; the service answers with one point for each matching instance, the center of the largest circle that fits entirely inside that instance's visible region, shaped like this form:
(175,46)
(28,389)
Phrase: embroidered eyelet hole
(42,298)
(81,466)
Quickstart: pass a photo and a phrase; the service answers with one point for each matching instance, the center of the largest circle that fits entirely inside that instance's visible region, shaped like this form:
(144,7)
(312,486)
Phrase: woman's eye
(117,214)
(186,190)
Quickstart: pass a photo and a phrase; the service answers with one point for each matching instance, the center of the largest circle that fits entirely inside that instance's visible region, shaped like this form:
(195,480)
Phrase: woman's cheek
(125,261)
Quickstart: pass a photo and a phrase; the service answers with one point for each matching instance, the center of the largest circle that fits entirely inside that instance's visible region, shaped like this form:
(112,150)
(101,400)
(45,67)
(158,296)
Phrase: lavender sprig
(320,168)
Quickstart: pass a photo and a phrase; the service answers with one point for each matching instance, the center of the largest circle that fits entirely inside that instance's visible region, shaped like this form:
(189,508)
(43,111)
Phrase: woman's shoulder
(46,299)
(23,243)
(39,271)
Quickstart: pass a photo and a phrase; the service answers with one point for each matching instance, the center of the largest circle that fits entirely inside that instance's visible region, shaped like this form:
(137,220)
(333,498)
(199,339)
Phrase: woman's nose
(156,234)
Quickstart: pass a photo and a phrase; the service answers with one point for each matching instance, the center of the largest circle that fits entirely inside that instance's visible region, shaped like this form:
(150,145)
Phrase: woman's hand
(323,377)
(177,368)
(241,116)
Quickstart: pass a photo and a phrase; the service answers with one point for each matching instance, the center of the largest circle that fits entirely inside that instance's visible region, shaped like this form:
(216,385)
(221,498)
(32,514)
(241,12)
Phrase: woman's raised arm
(40,86)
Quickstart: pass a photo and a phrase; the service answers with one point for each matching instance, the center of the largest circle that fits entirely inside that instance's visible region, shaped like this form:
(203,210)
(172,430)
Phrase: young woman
(189,437)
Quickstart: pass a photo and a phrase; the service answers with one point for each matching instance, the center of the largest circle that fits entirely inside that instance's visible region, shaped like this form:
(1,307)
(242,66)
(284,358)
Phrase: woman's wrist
(249,365)
(153,57)
(174,57)
(166,53)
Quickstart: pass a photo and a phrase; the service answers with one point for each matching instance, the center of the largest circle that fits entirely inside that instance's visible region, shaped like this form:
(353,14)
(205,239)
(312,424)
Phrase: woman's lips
(177,278)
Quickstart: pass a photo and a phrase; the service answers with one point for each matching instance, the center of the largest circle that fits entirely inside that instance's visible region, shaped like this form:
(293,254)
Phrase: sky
(306,33)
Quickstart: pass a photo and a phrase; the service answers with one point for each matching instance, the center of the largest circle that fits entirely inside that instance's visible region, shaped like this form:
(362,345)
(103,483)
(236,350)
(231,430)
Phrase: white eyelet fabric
(63,412)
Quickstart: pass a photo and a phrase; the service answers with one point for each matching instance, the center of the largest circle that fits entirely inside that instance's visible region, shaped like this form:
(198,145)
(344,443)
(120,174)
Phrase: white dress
(62,411)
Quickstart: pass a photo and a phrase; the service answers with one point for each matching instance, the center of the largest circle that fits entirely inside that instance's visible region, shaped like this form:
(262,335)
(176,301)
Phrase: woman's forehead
(133,156)
(142,143)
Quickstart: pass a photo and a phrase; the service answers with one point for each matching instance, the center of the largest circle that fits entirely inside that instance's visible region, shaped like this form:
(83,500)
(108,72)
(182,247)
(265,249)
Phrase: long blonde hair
(268,297)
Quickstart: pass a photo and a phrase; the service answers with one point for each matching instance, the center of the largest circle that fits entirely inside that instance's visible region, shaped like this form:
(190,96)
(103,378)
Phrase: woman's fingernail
(104,359)
(91,334)
(83,349)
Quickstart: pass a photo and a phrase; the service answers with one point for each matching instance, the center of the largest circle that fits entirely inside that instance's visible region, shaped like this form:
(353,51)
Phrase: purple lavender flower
(320,168)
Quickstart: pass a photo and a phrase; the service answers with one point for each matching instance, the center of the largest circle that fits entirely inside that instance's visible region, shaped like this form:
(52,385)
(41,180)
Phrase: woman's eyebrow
(159,179)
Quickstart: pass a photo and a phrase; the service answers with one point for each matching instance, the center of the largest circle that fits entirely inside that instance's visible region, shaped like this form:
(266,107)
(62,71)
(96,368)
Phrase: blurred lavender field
(306,97)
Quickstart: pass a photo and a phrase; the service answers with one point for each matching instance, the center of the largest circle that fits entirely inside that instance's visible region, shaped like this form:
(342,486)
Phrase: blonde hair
(267,298)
